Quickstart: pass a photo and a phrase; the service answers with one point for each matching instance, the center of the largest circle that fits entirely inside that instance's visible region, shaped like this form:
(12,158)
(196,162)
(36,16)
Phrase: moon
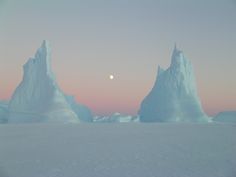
(111,77)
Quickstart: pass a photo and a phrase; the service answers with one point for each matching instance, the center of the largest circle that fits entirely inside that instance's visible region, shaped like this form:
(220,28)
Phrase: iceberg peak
(159,70)
(177,58)
(38,98)
(41,62)
(174,95)
(44,50)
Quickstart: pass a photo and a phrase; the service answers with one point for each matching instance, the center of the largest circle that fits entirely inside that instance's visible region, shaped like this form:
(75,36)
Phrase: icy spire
(38,95)
(44,49)
(177,58)
(174,95)
(40,64)
(159,70)
(44,54)
(175,46)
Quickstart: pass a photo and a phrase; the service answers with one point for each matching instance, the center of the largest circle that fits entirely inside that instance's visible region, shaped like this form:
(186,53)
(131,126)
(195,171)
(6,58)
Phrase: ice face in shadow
(174,96)
(38,97)
(4,113)
(83,112)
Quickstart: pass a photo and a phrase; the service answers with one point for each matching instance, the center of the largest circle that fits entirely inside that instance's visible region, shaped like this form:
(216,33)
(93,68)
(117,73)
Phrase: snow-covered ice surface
(118,150)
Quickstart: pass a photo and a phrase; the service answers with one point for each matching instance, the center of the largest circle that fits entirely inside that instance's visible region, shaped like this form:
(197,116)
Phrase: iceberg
(38,98)
(174,95)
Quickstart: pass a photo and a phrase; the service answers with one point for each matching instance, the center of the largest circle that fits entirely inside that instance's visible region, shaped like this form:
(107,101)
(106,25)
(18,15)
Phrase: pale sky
(92,39)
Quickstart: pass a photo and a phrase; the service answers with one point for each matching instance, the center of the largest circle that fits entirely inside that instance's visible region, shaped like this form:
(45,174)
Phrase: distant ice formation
(38,98)
(174,95)
(226,116)
(116,118)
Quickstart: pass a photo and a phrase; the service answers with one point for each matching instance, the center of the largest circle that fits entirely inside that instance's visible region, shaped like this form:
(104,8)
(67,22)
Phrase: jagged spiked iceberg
(174,96)
(38,98)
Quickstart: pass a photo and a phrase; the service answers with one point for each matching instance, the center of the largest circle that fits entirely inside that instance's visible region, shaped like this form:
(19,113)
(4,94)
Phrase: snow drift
(174,95)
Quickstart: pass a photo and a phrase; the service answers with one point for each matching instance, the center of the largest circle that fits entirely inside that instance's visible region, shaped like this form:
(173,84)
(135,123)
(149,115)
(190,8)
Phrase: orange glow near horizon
(107,104)
(124,94)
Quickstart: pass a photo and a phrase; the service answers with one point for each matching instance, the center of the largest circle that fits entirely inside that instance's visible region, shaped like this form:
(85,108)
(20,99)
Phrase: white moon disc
(111,77)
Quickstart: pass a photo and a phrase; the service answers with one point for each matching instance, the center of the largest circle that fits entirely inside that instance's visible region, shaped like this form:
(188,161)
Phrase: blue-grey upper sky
(91,39)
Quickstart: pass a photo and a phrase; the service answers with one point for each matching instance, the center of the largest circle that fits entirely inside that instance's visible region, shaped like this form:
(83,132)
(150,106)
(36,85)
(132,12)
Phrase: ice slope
(174,95)
(226,116)
(118,150)
(83,112)
(38,97)
(4,103)
(4,113)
